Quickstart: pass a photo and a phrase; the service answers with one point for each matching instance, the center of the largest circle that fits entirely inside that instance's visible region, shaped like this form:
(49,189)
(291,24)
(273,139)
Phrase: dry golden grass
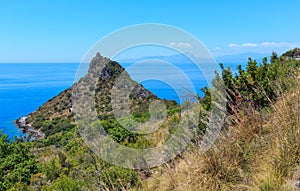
(261,151)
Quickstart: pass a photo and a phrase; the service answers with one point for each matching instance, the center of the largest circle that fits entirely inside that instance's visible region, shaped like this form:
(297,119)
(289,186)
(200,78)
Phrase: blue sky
(64,30)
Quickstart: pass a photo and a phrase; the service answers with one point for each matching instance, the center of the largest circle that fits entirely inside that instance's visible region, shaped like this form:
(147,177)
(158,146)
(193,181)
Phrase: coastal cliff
(56,114)
(263,123)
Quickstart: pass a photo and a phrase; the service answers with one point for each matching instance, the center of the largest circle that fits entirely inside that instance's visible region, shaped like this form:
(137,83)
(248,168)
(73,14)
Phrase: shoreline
(27,129)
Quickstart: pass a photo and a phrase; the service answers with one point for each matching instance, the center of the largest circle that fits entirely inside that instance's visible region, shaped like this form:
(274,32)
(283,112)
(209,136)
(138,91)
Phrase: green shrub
(117,179)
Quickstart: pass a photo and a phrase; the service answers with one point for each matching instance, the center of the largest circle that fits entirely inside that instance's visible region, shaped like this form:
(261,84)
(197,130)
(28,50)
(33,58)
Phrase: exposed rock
(26,128)
(99,82)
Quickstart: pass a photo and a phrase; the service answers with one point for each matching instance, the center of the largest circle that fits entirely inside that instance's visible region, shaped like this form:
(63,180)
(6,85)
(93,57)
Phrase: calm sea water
(24,87)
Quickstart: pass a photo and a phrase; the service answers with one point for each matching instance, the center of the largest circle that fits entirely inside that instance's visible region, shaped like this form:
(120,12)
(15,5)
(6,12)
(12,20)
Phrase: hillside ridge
(59,108)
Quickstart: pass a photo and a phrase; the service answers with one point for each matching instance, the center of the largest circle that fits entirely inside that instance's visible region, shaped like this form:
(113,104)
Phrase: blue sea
(24,87)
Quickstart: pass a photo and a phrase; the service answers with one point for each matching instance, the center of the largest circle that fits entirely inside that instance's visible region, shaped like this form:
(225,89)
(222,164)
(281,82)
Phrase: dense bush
(51,127)
(118,179)
(17,164)
(258,85)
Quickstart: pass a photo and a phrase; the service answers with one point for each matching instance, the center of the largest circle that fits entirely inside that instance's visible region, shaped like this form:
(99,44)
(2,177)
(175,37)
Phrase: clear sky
(64,30)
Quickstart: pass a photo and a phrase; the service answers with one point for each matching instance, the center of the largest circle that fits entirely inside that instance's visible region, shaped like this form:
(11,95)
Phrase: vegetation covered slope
(56,115)
(257,150)
(65,161)
(17,164)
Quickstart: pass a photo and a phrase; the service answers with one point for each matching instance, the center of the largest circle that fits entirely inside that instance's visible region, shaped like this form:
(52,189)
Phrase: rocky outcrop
(27,129)
(103,73)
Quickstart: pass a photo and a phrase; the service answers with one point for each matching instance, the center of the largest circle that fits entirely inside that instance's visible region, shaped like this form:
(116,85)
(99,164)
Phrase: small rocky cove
(26,128)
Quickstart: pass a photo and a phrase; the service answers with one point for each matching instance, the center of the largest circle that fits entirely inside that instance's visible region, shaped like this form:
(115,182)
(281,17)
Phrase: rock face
(97,64)
(26,128)
(104,73)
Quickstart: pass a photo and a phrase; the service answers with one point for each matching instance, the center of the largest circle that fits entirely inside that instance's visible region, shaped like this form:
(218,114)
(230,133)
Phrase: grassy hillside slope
(258,149)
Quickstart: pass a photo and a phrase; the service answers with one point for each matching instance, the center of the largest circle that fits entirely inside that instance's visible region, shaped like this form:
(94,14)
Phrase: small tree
(274,57)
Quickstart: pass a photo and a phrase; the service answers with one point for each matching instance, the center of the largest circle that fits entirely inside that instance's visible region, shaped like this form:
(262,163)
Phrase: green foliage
(206,100)
(274,57)
(258,84)
(50,127)
(64,183)
(73,166)
(291,53)
(117,179)
(70,165)
(141,117)
(52,170)
(19,187)
(118,132)
(16,164)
